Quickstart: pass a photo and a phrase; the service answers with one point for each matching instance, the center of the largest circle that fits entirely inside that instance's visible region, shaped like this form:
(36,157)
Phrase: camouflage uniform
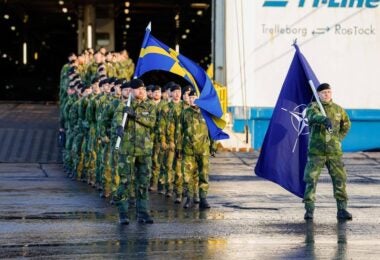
(195,147)
(158,153)
(135,154)
(82,138)
(90,160)
(101,104)
(163,155)
(325,149)
(104,132)
(126,69)
(110,176)
(77,135)
(69,129)
(174,158)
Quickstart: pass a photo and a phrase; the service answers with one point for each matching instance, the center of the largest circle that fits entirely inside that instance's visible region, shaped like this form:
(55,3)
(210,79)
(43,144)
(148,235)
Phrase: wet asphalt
(44,215)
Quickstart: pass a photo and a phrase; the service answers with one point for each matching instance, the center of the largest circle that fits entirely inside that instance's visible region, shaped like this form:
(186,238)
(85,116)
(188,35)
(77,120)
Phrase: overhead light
(127,4)
(187,30)
(13,28)
(124,32)
(206,58)
(64,9)
(128,19)
(126,11)
(6,16)
(176,17)
(16,62)
(24,53)
(124,43)
(199,12)
(177,47)
(89,36)
(193,20)
(61,2)
(4,55)
(184,36)
(127,26)
(199,5)
(36,55)
(73,25)
(69,18)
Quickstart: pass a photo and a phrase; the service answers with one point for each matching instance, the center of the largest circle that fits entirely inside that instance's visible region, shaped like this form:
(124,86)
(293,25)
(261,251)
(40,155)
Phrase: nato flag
(283,154)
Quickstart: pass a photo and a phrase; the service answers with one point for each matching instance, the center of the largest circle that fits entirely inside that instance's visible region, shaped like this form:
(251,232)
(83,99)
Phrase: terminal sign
(328,3)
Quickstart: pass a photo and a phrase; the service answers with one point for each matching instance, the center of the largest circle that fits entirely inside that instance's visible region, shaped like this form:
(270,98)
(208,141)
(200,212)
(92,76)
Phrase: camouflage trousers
(157,159)
(106,172)
(338,175)
(161,171)
(90,159)
(136,171)
(67,158)
(75,154)
(195,170)
(174,173)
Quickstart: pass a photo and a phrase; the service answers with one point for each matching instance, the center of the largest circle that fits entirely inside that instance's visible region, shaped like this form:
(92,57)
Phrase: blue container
(363,135)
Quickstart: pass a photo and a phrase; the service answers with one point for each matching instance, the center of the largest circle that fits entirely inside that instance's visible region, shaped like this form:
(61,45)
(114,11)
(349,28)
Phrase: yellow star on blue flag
(155,55)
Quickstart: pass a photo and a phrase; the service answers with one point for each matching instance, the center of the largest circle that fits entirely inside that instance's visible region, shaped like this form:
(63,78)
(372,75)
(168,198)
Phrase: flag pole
(311,83)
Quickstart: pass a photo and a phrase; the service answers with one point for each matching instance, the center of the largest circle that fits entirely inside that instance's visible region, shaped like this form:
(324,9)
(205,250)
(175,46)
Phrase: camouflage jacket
(173,121)
(137,132)
(65,119)
(91,110)
(192,133)
(321,142)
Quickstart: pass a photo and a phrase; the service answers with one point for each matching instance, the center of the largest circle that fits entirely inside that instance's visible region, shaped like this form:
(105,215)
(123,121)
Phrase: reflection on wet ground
(43,214)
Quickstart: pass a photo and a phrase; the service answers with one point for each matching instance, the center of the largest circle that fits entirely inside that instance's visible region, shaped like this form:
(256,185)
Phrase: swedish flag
(155,55)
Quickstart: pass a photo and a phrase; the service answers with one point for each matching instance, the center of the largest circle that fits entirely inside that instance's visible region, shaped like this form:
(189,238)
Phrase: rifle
(125,117)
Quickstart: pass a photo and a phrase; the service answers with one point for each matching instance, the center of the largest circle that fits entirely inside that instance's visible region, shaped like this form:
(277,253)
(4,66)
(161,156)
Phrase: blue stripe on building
(363,134)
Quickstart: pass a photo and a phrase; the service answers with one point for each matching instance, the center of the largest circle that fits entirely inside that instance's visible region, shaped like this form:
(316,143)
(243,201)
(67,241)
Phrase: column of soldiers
(165,146)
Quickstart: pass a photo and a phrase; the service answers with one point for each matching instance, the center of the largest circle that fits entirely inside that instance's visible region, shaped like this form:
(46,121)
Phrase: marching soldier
(195,148)
(135,152)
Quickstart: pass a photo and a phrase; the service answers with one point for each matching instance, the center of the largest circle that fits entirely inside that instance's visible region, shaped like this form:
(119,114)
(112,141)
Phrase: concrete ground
(45,215)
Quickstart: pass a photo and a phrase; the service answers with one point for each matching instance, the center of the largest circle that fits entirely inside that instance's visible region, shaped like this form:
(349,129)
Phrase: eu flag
(283,154)
(155,55)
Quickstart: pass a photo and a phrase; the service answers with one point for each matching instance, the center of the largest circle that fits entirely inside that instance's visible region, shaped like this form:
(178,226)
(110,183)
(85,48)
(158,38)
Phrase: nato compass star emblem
(299,121)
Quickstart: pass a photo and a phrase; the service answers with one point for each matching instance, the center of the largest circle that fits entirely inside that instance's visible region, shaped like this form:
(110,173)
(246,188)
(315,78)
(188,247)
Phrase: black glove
(328,124)
(120,131)
(131,113)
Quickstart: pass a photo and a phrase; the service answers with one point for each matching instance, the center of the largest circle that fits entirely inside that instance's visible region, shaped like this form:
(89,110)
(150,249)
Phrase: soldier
(326,134)
(102,139)
(68,127)
(127,67)
(162,133)
(195,148)
(174,157)
(157,157)
(82,137)
(135,152)
(90,160)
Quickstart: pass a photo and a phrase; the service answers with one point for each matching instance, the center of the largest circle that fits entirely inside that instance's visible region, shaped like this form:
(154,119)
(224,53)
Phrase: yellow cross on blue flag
(155,55)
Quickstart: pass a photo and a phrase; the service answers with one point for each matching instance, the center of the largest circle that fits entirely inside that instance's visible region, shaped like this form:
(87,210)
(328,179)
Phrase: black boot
(309,214)
(123,218)
(122,206)
(160,189)
(178,199)
(189,202)
(204,204)
(344,215)
(142,209)
(169,194)
(144,218)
